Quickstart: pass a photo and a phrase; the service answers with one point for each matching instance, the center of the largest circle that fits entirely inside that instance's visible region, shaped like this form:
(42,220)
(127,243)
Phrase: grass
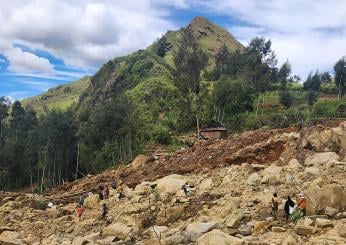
(60,97)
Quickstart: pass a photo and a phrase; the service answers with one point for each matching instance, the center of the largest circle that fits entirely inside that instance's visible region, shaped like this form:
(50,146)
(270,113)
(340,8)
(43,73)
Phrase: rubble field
(232,184)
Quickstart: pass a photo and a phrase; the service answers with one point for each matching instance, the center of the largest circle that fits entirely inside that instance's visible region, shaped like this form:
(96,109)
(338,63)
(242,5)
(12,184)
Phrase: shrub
(341,110)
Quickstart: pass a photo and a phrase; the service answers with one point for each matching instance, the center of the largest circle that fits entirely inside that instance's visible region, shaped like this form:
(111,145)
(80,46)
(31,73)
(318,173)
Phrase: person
(121,191)
(80,211)
(302,203)
(186,188)
(81,200)
(106,192)
(289,205)
(275,205)
(101,192)
(104,210)
(114,185)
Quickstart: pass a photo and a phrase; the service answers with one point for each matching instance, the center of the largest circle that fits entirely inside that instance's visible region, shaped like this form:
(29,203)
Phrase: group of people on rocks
(103,194)
(292,210)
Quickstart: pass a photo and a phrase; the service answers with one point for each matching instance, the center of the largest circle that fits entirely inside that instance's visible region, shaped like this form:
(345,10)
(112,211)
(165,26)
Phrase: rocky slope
(232,180)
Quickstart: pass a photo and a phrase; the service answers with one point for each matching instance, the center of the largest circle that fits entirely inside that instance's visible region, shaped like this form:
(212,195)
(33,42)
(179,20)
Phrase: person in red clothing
(302,203)
(79,211)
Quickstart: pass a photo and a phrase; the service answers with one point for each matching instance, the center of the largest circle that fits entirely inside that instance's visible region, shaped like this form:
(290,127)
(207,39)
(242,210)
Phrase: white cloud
(310,33)
(27,62)
(84,33)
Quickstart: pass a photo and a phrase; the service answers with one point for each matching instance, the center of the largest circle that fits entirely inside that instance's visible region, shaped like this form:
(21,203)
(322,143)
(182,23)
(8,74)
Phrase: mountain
(60,97)
(123,74)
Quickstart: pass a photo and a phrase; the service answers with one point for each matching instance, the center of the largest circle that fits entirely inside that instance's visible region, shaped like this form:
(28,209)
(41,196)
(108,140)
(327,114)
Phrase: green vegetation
(61,97)
(184,80)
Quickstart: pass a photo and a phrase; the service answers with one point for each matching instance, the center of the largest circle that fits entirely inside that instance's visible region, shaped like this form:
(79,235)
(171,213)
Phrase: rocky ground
(233,182)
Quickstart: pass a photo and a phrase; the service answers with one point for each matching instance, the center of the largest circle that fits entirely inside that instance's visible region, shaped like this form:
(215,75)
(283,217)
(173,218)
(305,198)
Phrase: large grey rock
(91,202)
(195,230)
(319,198)
(304,230)
(324,223)
(321,158)
(170,184)
(118,230)
(217,237)
(254,179)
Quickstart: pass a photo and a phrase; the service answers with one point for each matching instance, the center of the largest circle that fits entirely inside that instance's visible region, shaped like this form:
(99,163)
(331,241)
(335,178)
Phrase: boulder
(322,158)
(324,223)
(205,186)
(118,230)
(321,139)
(156,231)
(10,238)
(341,230)
(245,230)
(170,184)
(294,165)
(91,202)
(290,240)
(139,161)
(261,227)
(195,230)
(278,229)
(233,220)
(254,179)
(144,188)
(304,230)
(312,170)
(217,237)
(80,241)
(319,198)
(272,170)
(331,212)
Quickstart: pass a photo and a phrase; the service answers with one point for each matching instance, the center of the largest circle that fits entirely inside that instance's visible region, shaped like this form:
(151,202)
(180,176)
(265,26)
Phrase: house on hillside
(214,130)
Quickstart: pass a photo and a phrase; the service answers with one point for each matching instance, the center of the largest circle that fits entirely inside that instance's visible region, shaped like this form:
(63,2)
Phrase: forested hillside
(178,84)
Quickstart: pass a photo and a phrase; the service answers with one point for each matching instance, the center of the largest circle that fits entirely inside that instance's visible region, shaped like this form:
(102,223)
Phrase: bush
(163,136)
(325,108)
(341,110)
(286,99)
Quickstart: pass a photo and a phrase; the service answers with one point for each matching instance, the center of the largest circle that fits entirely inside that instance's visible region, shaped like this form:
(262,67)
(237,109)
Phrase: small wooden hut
(214,130)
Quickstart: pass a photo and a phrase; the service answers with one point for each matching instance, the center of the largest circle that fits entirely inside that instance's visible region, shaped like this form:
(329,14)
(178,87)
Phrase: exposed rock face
(217,237)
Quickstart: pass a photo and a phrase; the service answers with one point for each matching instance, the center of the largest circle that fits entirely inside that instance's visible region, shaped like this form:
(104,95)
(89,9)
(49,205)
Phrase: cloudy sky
(44,43)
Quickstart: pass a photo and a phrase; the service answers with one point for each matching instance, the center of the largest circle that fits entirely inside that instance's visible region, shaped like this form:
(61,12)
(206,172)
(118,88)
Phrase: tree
(286,98)
(313,82)
(4,105)
(284,73)
(161,47)
(189,61)
(340,76)
(231,97)
(17,119)
(325,77)
(222,56)
(311,97)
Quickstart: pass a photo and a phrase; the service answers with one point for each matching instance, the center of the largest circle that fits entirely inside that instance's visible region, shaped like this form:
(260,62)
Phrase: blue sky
(44,43)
